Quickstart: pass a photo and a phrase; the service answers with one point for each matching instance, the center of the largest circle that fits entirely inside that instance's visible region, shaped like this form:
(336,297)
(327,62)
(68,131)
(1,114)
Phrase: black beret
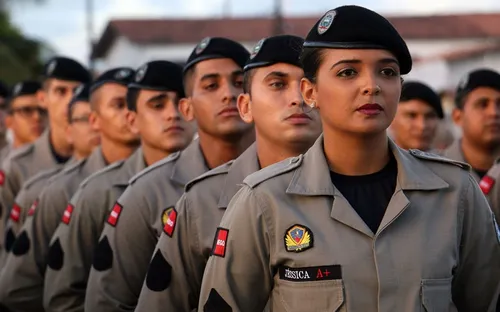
(355,27)
(4,90)
(64,68)
(478,78)
(28,87)
(120,75)
(277,49)
(216,47)
(159,76)
(413,90)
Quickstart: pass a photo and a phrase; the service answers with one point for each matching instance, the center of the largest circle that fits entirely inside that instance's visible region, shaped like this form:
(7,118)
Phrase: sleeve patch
(215,303)
(220,241)
(67,214)
(115,214)
(103,256)
(56,256)
(170,222)
(33,208)
(486,184)
(15,213)
(2,177)
(159,273)
(21,245)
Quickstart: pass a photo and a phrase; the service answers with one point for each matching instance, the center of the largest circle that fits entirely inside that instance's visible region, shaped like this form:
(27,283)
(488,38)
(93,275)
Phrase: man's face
(56,97)
(83,136)
(27,119)
(480,117)
(415,125)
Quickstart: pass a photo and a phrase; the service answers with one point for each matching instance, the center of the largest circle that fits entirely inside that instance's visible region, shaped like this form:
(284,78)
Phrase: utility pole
(89,9)
(278,18)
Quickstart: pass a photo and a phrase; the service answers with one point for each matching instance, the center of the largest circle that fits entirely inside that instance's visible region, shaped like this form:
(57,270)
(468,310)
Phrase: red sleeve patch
(219,248)
(170,223)
(486,184)
(67,214)
(15,213)
(2,177)
(115,214)
(32,208)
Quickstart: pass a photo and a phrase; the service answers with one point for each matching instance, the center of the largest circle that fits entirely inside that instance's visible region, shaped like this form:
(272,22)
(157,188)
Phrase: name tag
(308,274)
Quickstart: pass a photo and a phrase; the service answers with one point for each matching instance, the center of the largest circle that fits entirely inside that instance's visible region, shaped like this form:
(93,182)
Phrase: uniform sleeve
(8,193)
(174,276)
(16,219)
(238,275)
(71,252)
(476,281)
(122,255)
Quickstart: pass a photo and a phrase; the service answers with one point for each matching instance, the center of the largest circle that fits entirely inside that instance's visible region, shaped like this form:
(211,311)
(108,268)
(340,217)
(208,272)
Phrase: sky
(62,23)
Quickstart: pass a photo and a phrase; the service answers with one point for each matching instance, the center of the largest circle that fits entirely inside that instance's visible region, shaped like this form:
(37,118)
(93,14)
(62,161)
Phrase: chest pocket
(325,296)
(436,295)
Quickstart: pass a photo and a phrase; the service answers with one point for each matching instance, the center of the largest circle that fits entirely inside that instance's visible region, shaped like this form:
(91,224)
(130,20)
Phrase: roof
(176,31)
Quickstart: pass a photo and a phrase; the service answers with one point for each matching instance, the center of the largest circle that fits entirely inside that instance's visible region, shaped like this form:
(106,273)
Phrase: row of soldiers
(117,207)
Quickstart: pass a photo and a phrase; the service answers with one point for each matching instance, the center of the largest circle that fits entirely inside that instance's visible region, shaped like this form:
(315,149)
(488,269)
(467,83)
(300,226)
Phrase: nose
(370,86)
(172,111)
(229,93)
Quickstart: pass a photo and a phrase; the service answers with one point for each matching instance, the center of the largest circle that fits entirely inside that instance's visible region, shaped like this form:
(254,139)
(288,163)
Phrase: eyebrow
(158,97)
(279,74)
(388,60)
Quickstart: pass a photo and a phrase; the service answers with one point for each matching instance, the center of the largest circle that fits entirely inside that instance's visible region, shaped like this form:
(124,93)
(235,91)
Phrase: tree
(19,55)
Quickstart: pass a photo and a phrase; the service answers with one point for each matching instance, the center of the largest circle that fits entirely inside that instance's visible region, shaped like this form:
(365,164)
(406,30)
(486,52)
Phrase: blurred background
(447,37)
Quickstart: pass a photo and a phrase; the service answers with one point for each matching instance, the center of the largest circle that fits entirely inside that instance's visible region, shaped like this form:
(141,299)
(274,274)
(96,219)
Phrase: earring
(313,105)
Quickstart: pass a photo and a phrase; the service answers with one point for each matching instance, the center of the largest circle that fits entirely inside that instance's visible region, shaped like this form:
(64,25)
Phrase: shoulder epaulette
(113,166)
(41,175)
(276,169)
(155,166)
(434,157)
(222,169)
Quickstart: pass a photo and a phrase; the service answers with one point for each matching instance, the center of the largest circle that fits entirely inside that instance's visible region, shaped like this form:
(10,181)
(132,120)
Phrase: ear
(245,107)
(41,97)
(308,90)
(186,108)
(9,121)
(457,116)
(94,121)
(132,121)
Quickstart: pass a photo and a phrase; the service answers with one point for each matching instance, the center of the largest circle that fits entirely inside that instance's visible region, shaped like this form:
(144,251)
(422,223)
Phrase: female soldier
(356,223)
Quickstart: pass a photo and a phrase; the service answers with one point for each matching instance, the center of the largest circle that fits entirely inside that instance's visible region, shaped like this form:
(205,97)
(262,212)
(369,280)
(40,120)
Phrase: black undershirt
(480,173)
(59,158)
(369,194)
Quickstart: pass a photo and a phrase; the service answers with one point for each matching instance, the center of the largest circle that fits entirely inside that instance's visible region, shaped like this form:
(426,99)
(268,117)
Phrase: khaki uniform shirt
(21,282)
(23,163)
(132,231)
(25,203)
(291,237)
(185,252)
(73,243)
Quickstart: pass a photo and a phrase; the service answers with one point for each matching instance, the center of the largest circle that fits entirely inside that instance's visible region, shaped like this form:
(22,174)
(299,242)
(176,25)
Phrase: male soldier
(83,139)
(26,119)
(153,104)
(212,79)
(272,100)
(4,94)
(417,117)
(61,76)
(108,116)
(477,112)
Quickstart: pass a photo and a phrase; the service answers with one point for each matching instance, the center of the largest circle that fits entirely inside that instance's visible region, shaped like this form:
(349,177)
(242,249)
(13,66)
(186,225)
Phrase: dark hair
(247,80)
(187,80)
(460,99)
(131,98)
(310,59)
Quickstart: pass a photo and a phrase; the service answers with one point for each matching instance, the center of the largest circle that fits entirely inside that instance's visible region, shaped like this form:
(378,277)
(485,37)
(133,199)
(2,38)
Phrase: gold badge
(166,213)
(298,238)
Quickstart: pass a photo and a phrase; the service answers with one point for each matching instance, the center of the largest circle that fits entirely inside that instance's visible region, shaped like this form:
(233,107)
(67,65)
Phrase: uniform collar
(130,167)
(96,160)
(242,166)
(43,145)
(311,178)
(190,164)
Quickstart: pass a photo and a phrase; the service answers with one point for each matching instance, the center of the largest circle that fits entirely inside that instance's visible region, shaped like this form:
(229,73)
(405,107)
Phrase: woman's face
(356,91)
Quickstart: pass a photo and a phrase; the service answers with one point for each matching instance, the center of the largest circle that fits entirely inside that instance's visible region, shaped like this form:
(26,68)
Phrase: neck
(78,155)
(60,143)
(113,151)
(270,153)
(354,155)
(152,155)
(218,151)
(479,158)
(17,142)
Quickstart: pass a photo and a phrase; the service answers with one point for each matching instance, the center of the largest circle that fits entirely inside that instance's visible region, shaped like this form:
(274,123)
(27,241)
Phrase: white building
(444,47)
